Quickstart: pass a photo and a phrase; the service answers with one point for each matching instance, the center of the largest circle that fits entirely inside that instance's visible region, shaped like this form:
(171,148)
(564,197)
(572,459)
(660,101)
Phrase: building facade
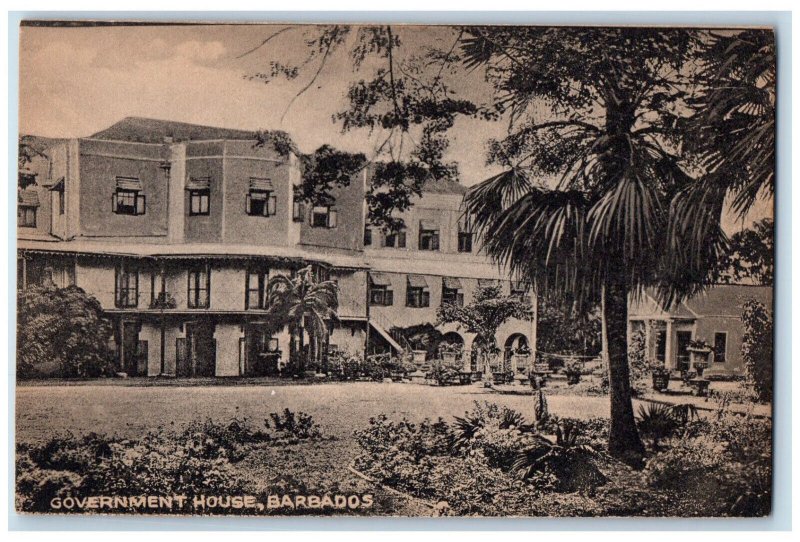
(713,317)
(177,228)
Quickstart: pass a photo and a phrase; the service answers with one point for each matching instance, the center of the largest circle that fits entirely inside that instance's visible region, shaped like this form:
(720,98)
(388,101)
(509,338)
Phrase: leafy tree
(554,316)
(27,150)
(484,315)
(305,305)
(757,349)
(64,327)
(750,256)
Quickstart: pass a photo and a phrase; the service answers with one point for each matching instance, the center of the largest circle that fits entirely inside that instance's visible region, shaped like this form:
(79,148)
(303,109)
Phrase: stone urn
(699,354)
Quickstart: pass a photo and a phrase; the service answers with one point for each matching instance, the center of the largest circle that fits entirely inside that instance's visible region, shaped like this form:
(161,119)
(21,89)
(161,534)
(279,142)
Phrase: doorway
(261,352)
(197,353)
(683,338)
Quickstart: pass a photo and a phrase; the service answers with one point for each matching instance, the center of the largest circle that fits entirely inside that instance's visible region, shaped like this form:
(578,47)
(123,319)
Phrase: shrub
(657,422)
(757,349)
(689,462)
(723,466)
(294,426)
(64,327)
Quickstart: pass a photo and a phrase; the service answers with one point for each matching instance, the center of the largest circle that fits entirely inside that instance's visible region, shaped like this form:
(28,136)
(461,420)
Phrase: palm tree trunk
(623,438)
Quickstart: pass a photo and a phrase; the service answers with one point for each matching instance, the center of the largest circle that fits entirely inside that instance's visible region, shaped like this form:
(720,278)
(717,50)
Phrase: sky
(77,81)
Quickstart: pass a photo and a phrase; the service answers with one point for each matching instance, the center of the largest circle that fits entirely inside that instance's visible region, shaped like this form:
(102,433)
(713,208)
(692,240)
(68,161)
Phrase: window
(367,236)
(198,202)
(261,203)
(127,286)
(261,200)
(26,216)
(381,296)
(323,217)
(380,290)
(465,241)
(395,240)
(417,293)
(519,288)
(452,293)
(256,289)
(26,179)
(720,347)
(298,210)
(428,235)
(661,345)
(127,199)
(198,297)
(27,203)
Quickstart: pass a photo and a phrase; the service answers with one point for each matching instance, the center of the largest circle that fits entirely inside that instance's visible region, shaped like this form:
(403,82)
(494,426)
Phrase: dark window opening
(199,202)
(429,239)
(323,217)
(395,240)
(261,203)
(418,297)
(367,236)
(381,296)
(452,296)
(127,287)
(661,345)
(720,347)
(26,216)
(256,289)
(465,241)
(199,290)
(298,211)
(128,202)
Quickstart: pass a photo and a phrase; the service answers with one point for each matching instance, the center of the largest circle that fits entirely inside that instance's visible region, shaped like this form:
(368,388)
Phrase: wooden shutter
(141,206)
(247,204)
(332,218)
(272,203)
(401,239)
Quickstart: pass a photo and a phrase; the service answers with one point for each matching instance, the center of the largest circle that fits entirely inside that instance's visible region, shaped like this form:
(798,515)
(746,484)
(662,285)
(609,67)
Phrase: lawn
(339,408)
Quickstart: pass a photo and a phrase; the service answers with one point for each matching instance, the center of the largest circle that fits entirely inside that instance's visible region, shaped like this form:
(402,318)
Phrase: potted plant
(573,371)
(660,378)
(449,352)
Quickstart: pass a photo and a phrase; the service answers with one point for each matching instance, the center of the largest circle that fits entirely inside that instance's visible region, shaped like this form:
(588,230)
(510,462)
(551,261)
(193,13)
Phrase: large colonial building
(176,229)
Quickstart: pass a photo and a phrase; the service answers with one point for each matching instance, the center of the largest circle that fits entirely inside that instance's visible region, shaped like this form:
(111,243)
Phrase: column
(669,360)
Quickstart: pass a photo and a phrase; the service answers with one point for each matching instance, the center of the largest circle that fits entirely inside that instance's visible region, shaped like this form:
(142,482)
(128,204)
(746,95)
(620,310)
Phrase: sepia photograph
(394,270)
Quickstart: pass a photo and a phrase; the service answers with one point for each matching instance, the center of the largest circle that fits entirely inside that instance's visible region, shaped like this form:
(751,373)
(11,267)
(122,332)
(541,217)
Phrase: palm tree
(304,305)
(732,134)
(597,231)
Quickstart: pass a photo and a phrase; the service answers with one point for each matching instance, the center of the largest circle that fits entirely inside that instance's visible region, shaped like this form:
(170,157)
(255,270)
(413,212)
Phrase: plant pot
(573,378)
(449,357)
(660,380)
(418,356)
